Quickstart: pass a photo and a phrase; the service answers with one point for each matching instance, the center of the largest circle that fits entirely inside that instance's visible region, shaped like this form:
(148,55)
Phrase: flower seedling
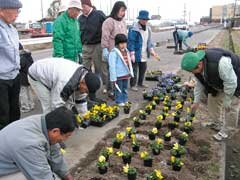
(183,138)
(178,150)
(155,175)
(157,146)
(167,136)
(118,140)
(130,171)
(147,159)
(177,163)
(102,165)
(142,114)
(136,122)
(152,134)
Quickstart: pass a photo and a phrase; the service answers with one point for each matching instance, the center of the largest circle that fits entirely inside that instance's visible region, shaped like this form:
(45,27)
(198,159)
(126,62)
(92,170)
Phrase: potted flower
(152,133)
(156,99)
(102,165)
(130,131)
(155,175)
(183,138)
(156,146)
(176,115)
(178,150)
(135,143)
(153,104)
(136,122)
(127,107)
(147,159)
(106,152)
(158,123)
(167,136)
(118,140)
(126,156)
(167,104)
(188,127)
(172,125)
(165,109)
(176,163)
(130,171)
(148,108)
(178,105)
(142,114)
(147,95)
(116,110)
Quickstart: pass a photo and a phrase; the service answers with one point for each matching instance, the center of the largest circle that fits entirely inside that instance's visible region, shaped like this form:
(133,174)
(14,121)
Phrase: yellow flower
(188,124)
(101,159)
(62,151)
(120,136)
(181,163)
(188,110)
(169,134)
(185,134)
(128,129)
(165,108)
(133,136)
(160,117)
(179,106)
(125,168)
(176,146)
(87,115)
(189,100)
(173,159)
(154,130)
(166,98)
(109,150)
(158,173)
(174,114)
(159,141)
(143,154)
(79,119)
(166,114)
(119,153)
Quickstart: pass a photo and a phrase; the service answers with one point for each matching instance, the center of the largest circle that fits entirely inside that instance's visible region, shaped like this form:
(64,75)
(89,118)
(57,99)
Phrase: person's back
(182,34)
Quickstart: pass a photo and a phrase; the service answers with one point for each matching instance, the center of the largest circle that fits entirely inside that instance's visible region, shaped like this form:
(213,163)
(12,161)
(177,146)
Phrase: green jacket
(66,37)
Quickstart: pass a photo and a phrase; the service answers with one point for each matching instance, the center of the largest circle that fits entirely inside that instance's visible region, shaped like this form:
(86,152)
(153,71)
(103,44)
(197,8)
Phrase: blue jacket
(182,36)
(135,41)
(117,65)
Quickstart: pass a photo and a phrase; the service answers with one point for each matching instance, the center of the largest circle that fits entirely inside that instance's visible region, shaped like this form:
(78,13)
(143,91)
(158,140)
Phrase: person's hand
(227,109)
(69,177)
(194,107)
(132,56)
(105,54)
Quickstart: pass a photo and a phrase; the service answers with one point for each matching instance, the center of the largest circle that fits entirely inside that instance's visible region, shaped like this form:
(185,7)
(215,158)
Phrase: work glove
(105,54)
(132,56)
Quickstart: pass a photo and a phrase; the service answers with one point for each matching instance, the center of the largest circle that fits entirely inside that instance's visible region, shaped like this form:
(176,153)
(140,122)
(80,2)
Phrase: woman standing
(113,25)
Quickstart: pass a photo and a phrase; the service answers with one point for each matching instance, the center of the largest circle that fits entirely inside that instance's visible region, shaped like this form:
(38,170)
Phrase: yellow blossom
(120,136)
(87,115)
(119,153)
(174,114)
(143,154)
(166,98)
(154,130)
(101,159)
(188,110)
(185,134)
(179,106)
(160,117)
(158,173)
(79,119)
(169,134)
(188,124)
(133,136)
(173,159)
(176,146)
(165,108)
(109,150)
(125,168)
(128,129)
(159,141)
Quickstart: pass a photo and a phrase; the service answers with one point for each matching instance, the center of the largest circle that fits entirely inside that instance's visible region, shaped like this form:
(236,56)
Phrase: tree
(53,9)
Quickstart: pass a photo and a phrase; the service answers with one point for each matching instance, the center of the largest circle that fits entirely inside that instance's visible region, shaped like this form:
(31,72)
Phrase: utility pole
(185,13)
(189,20)
(42,8)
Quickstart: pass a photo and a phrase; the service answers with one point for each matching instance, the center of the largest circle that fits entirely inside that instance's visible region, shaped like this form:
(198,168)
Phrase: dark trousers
(9,101)
(139,68)
(177,42)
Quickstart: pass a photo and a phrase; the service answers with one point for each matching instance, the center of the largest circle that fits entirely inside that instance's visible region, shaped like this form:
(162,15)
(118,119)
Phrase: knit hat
(190,33)
(87,2)
(92,81)
(10,4)
(120,38)
(75,4)
(190,60)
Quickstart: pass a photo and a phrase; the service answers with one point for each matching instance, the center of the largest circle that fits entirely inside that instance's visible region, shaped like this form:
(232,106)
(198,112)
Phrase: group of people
(90,51)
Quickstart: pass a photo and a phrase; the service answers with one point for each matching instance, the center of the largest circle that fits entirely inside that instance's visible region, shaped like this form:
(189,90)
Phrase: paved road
(84,140)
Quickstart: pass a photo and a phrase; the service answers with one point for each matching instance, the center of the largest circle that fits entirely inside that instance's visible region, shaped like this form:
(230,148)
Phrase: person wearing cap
(66,33)
(180,37)
(113,25)
(91,22)
(120,68)
(218,77)
(141,47)
(57,82)
(10,63)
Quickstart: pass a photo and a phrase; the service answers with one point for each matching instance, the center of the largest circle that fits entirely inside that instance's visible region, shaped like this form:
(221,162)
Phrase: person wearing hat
(58,81)
(113,25)
(180,37)
(141,47)
(218,77)
(66,33)
(120,68)
(91,22)
(10,63)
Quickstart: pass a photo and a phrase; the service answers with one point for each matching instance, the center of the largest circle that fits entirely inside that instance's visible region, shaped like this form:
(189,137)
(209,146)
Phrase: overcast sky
(168,9)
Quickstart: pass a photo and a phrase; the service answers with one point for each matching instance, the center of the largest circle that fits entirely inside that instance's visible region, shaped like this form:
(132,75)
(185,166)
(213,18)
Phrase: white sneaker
(104,91)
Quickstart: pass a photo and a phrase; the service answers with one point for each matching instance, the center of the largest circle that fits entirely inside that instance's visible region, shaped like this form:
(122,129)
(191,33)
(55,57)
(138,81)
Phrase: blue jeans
(123,96)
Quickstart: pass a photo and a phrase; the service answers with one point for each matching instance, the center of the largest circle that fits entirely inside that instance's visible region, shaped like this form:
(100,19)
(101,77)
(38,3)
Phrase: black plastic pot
(153,107)
(142,116)
(187,130)
(132,176)
(182,142)
(148,111)
(158,125)
(136,124)
(116,145)
(157,101)
(148,163)
(176,168)
(102,170)
(151,136)
(156,151)
(171,126)
(135,148)
(126,160)
(167,138)
(177,118)
(126,110)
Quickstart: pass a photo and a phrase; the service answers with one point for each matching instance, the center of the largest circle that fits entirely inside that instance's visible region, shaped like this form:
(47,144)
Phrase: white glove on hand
(132,56)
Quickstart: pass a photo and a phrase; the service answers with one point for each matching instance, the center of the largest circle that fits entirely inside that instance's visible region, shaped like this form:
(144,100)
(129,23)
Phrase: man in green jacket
(66,33)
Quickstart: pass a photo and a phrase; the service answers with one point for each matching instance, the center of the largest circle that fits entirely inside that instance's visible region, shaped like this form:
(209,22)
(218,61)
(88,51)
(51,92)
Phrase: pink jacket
(110,29)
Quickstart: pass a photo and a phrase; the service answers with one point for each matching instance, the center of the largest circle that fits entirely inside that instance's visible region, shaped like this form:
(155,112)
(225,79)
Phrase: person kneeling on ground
(217,72)
(58,81)
(30,145)
(180,37)
(120,68)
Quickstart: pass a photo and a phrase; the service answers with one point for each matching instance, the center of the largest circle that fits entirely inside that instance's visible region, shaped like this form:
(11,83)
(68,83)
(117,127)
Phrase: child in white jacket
(120,68)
